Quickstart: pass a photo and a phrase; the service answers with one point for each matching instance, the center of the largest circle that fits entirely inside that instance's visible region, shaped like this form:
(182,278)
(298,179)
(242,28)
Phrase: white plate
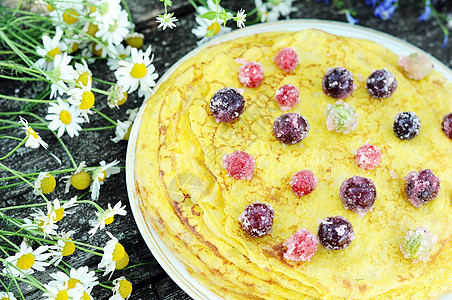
(173,267)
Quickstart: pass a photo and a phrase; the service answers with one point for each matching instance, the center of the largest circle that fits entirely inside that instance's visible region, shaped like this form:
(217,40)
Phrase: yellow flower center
(122,55)
(92,29)
(138,70)
(59,214)
(70,16)
(127,135)
(81,180)
(32,133)
(84,77)
(121,264)
(69,248)
(123,99)
(48,184)
(71,283)
(109,220)
(26,261)
(72,47)
(50,8)
(119,252)
(65,117)
(62,295)
(215,27)
(135,42)
(104,176)
(113,27)
(87,100)
(52,53)
(125,288)
(97,51)
(4,298)
(86,296)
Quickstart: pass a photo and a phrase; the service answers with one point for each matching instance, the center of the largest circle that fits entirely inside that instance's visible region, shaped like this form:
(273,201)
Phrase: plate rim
(175,269)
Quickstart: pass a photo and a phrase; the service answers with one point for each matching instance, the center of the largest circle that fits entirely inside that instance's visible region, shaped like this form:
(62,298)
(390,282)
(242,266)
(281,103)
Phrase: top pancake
(194,205)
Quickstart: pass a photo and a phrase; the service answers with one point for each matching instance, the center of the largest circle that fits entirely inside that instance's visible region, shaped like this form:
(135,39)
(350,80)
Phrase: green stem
(10,137)
(98,128)
(105,116)
(17,147)
(26,99)
(105,286)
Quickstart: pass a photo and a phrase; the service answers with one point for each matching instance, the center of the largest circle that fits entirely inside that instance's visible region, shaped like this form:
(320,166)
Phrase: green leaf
(210,15)
(216,2)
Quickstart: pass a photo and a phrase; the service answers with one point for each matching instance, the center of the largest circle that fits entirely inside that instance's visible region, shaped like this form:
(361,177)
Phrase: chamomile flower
(80,179)
(45,183)
(60,210)
(43,221)
(240,18)
(106,217)
(135,39)
(82,276)
(138,73)
(120,53)
(83,98)
(123,129)
(7,296)
(106,11)
(100,174)
(60,74)
(270,11)
(50,48)
(205,25)
(116,96)
(26,261)
(84,74)
(115,33)
(115,257)
(166,20)
(64,117)
(122,288)
(34,140)
(56,291)
(64,247)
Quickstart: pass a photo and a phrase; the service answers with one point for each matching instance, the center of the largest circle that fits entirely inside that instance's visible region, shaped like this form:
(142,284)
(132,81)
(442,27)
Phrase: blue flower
(350,19)
(326,1)
(371,2)
(428,11)
(445,40)
(385,9)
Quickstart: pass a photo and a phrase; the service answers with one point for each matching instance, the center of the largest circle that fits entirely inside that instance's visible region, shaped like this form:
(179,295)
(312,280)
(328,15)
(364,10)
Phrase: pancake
(194,205)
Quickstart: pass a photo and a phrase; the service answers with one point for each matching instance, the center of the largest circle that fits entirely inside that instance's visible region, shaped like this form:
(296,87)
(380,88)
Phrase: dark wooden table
(149,280)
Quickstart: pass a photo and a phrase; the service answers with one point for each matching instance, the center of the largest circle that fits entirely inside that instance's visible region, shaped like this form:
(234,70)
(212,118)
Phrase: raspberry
(251,74)
(287,96)
(303,182)
(301,246)
(286,59)
(240,165)
(368,156)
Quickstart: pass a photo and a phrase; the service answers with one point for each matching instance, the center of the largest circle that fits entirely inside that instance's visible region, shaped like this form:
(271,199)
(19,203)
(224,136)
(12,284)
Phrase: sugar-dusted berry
(335,233)
(239,165)
(338,83)
(286,59)
(418,244)
(368,156)
(341,117)
(381,84)
(251,74)
(257,219)
(303,182)
(407,125)
(290,128)
(358,194)
(287,96)
(421,187)
(227,104)
(301,246)
(416,65)
(446,125)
